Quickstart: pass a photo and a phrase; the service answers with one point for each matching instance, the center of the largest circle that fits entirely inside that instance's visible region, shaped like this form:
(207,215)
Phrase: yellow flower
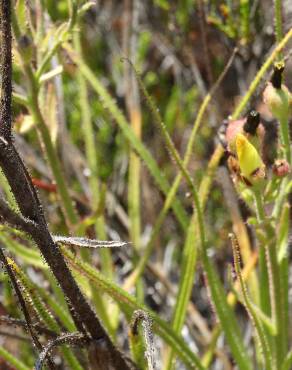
(251,165)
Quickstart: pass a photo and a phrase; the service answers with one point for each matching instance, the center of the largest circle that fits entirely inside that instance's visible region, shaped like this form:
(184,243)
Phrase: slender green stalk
(53,159)
(283,192)
(285,136)
(232,300)
(244,20)
(264,345)
(143,341)
(135,118)
(134,198)
(215,159)
(54,162)
(59,310)
(287,362)
(278,20)
(261,74)
(283,261)
(91,156)
(176,156)
(189,261)
(225,314)
(132,99)
(30,292)
(173,190)
(260,210)
(129,304)
(265,301)
(64,32)
(277,294)
(7,190)
(28,255)
(190,253)
(131,280)
(13,361)
(271,289)
(20,99)
(127,131)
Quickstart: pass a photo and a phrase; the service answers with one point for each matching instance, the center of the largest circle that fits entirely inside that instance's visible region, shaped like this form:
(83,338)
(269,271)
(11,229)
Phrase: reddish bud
(281,168)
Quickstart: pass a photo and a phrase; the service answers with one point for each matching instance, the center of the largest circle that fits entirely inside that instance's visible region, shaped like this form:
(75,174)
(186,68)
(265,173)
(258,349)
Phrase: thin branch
(4,333)
(68,339)
(6,70)
(30,207)
(20,299)
(14,219)
(203,30)
(23,324)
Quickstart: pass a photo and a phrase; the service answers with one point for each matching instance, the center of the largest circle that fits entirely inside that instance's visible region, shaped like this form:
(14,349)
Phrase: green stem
(287,364)
(225,314)
(260,75)
(263,270)
(133,106)
(45,134)
(271,290)
(129,304)
(54,163)
(10,359)
(60,39)
(244,20)
(91,156)
(265,347)
(277,299)
(278,20)
(284,128)
(260,210)
(207,180)
(127,131)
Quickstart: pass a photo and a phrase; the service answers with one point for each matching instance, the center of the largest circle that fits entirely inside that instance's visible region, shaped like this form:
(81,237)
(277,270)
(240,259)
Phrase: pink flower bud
(276,95)
(281,167)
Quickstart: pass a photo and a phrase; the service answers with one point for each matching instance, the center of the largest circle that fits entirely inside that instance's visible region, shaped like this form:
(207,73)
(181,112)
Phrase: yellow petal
(250,162)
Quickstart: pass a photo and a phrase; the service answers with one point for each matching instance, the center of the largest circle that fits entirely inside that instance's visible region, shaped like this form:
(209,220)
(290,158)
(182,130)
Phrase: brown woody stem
(33,221)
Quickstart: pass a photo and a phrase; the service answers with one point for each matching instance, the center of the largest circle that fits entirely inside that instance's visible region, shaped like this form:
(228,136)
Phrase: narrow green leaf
(31,293)
(28,255)
(287,364)
(109,104)
(11,360)
(129,304)
(283,233)
(262,339)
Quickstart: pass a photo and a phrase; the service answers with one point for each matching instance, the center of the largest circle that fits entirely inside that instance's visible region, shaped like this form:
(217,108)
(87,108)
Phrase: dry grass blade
(88,243)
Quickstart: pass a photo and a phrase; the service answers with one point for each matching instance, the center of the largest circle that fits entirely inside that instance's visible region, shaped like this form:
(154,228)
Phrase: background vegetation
(117,109)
